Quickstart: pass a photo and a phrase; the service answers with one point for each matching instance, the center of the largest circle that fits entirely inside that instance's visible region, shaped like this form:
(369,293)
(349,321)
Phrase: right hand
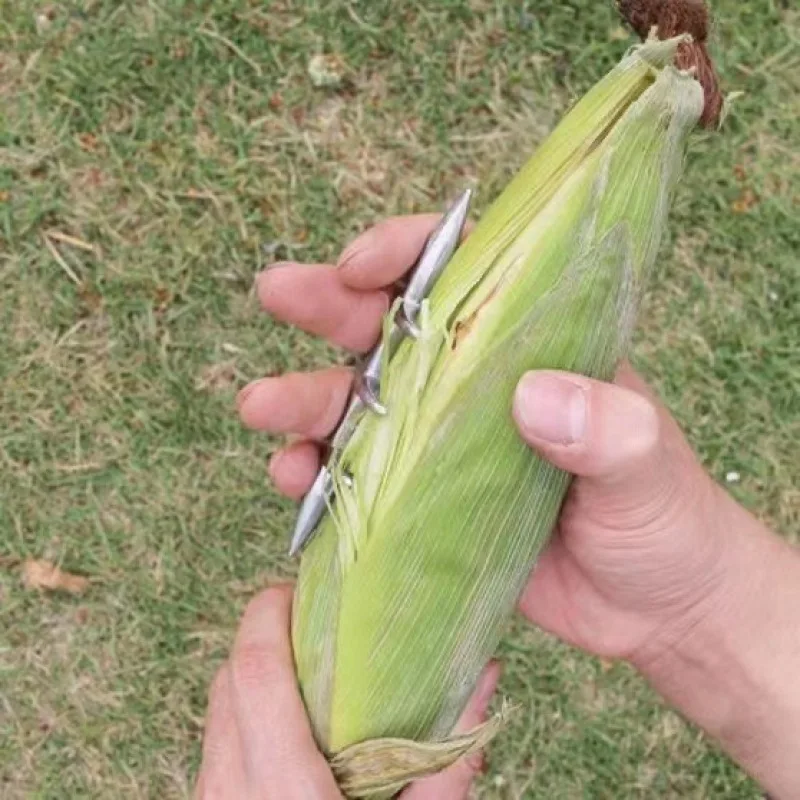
(638,551)
(638,557)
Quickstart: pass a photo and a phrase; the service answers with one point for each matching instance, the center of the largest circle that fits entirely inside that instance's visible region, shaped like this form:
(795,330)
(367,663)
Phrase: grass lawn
(182,146)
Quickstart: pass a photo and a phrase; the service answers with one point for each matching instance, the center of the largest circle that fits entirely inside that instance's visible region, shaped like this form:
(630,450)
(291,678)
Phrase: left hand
(258,741)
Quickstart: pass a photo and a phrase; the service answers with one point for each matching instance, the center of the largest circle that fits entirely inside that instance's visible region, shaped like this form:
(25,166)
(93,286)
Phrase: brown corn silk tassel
(673,18)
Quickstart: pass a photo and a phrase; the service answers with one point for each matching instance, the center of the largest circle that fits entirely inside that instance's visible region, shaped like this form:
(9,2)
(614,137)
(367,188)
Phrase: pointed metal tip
(368,390)
(301,534)
(311,511)
(454,220)
(459,210)
(465,196)
(438,251)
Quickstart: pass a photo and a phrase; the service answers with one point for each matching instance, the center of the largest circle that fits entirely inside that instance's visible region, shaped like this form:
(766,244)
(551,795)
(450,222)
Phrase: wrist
(729,662)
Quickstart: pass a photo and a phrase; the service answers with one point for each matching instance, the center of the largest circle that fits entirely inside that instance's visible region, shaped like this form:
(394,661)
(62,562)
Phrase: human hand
(637,557)
(637,552)
(258,741)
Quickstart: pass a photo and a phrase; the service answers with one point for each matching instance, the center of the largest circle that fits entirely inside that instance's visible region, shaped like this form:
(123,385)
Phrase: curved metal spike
(368,382)
(435,256)
(312,509)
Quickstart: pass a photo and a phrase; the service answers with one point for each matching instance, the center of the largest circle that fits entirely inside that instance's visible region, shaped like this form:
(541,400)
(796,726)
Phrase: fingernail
(354,249)
(241,398)
(551,408)
(260,291)
(264,279)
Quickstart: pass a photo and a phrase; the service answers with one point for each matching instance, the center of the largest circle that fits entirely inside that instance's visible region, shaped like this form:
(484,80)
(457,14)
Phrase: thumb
(605,433)
(454,782)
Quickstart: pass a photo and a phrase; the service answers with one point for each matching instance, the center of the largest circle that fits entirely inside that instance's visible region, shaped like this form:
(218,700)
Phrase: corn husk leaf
(405,590)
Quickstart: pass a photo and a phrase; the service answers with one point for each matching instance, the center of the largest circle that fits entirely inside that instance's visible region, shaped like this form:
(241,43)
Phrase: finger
(454,782)
(385,252)
(279,751)
(606,433)
(307,404)
(294,467)
(546,600)
(475,712)
(222,768)
(316,299)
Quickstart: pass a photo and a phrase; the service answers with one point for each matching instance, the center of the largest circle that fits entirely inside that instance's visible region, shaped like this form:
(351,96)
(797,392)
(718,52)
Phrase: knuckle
(359,328)
(331,403)
(648,429)
(624,432)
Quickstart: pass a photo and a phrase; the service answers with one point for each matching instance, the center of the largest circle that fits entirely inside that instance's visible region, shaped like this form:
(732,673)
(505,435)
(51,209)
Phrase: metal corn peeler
(435,256)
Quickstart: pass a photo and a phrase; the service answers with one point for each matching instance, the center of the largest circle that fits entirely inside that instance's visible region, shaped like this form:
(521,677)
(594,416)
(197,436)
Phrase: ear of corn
(404,591)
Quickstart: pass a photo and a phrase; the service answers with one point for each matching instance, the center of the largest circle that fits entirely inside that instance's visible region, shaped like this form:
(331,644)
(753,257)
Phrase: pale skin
(651,561)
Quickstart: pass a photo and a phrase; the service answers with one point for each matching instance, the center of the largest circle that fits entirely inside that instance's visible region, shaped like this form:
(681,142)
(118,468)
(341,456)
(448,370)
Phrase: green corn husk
(405,589)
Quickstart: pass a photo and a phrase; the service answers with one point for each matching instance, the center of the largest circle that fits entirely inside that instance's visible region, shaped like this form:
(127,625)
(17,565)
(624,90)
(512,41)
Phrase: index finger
(385,252)
(278,746)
